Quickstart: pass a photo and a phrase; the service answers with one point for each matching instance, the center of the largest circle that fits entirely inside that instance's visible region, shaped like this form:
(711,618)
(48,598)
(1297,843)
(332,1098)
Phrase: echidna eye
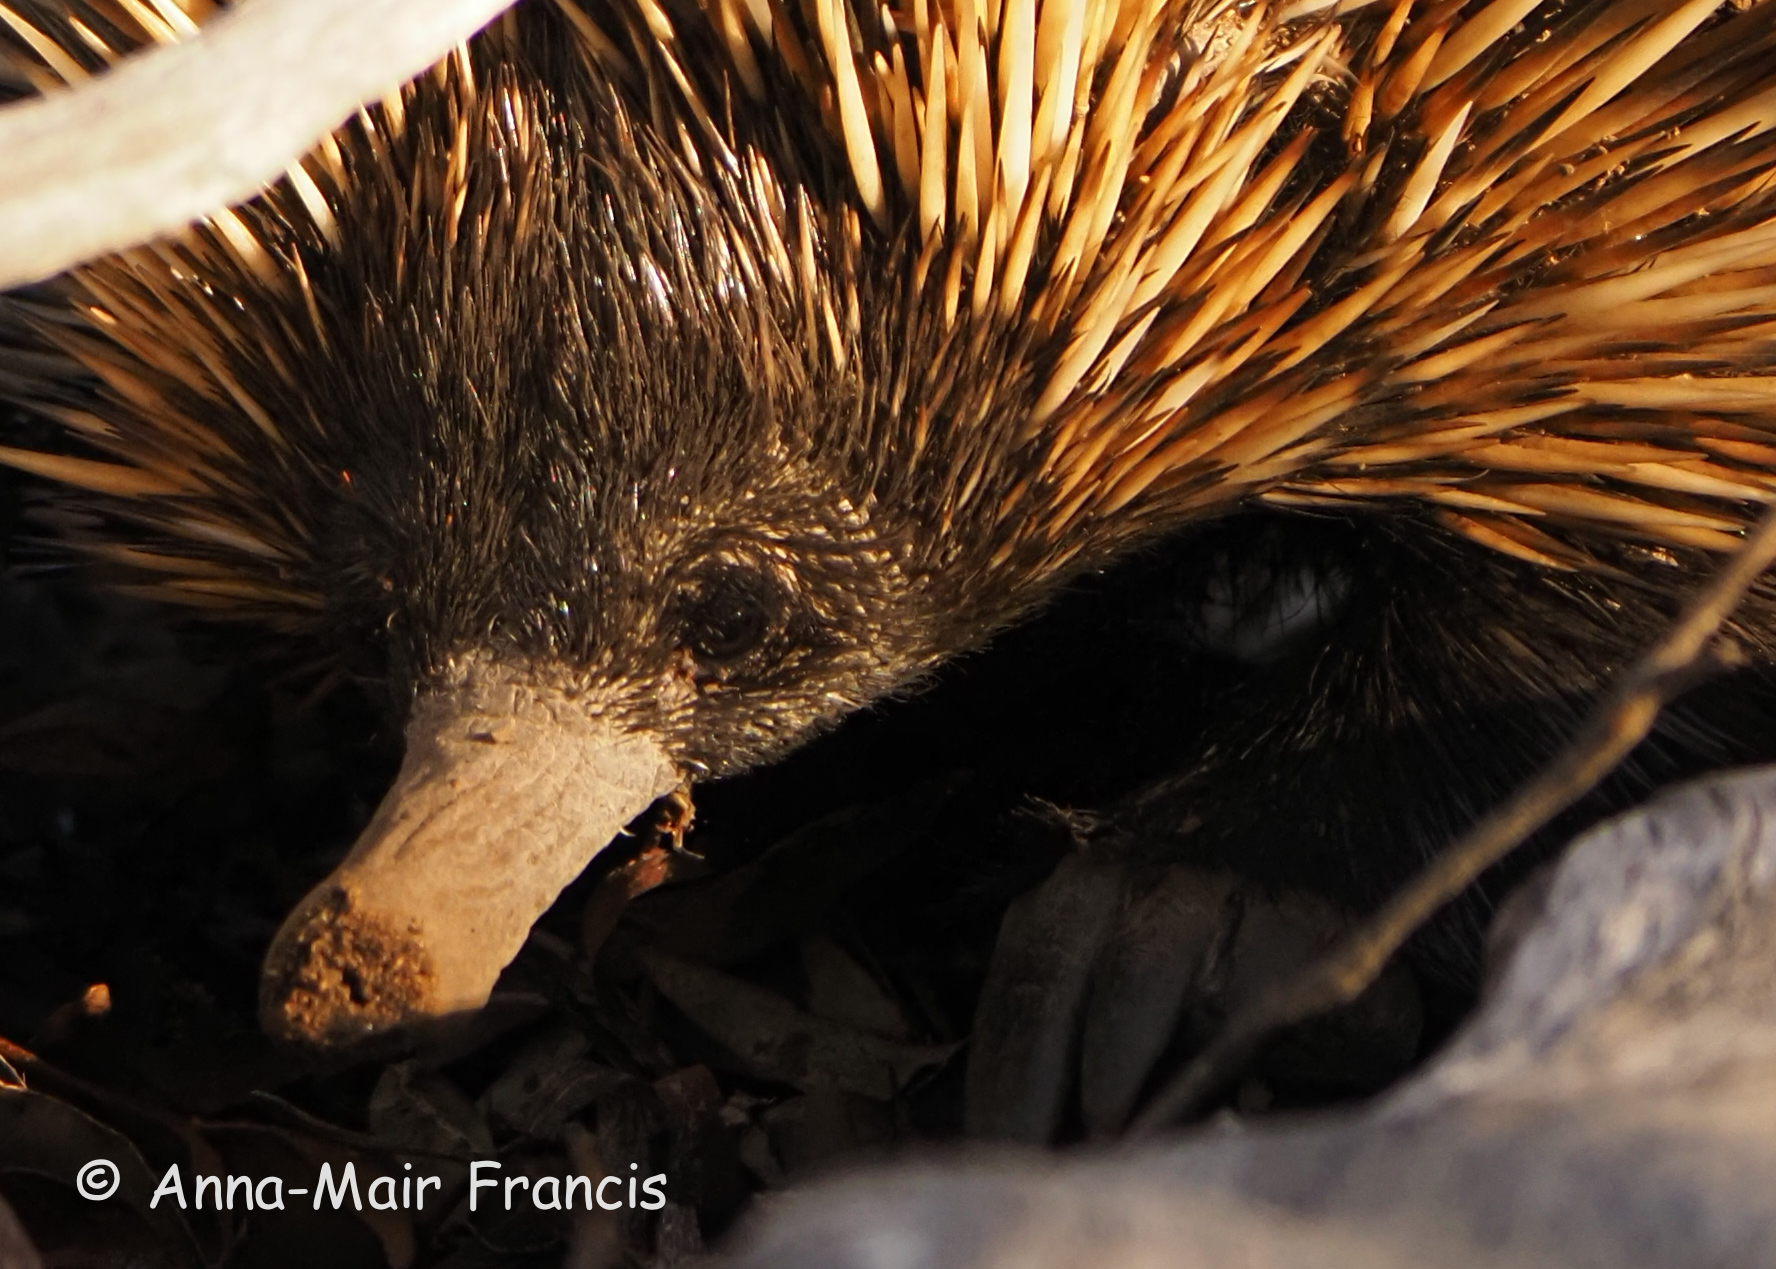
(725,616)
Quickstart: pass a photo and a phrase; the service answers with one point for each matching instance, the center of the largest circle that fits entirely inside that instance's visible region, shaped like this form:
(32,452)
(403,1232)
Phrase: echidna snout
(507,790)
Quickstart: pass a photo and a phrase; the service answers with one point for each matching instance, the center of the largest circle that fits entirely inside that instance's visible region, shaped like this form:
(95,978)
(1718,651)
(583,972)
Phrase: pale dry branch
(176,132)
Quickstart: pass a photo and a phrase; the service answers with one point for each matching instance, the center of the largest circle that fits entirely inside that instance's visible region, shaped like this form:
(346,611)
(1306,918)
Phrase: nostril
(356,987)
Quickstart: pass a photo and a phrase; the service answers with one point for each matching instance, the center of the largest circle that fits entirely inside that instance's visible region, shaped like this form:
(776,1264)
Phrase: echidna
(655,381)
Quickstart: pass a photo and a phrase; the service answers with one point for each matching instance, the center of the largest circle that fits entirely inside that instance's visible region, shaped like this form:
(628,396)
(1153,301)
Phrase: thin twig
(177,132)
(1619,723)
